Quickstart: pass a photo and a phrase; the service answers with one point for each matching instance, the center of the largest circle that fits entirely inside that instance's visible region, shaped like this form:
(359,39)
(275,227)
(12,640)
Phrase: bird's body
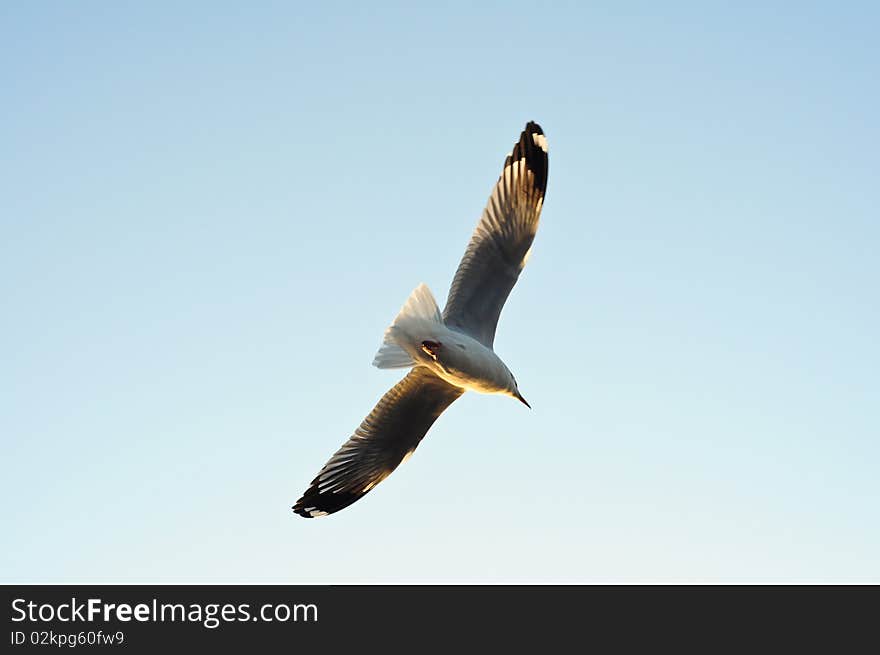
(448,353)
(466,363)
(452,355)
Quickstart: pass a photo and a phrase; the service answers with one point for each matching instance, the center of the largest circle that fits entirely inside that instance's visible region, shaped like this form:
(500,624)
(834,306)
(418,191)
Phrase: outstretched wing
(386,437)
(499,246)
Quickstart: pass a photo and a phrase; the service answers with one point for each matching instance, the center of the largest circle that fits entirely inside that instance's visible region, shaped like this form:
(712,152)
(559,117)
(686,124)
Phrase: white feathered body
(454,356)
(460,360)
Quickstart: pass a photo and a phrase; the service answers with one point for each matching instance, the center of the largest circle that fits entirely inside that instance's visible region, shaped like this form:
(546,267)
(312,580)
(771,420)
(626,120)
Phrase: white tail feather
(391,355)
(420,307)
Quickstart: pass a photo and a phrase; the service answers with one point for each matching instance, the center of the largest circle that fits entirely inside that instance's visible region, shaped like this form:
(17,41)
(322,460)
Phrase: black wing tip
(532,147)
(314,504)
(533,128)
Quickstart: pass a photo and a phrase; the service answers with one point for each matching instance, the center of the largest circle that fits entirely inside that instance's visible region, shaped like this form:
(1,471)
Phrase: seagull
(447,353)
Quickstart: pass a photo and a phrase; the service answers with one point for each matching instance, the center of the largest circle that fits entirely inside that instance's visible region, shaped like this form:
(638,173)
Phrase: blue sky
(210,213)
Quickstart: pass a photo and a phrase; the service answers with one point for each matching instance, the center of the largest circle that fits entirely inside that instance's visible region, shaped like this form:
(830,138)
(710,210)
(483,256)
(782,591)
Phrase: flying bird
(447,353)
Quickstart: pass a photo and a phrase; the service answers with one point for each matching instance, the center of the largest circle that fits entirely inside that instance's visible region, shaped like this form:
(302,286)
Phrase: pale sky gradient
(209,214)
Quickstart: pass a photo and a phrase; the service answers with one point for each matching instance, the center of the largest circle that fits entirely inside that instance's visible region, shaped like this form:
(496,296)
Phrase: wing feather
(500,244)
(385,438)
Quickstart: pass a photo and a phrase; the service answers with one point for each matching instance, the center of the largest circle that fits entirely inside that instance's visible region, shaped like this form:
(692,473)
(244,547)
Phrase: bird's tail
(418,312)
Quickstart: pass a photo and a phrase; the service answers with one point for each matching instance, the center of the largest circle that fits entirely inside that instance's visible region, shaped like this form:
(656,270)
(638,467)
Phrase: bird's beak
(519,397)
